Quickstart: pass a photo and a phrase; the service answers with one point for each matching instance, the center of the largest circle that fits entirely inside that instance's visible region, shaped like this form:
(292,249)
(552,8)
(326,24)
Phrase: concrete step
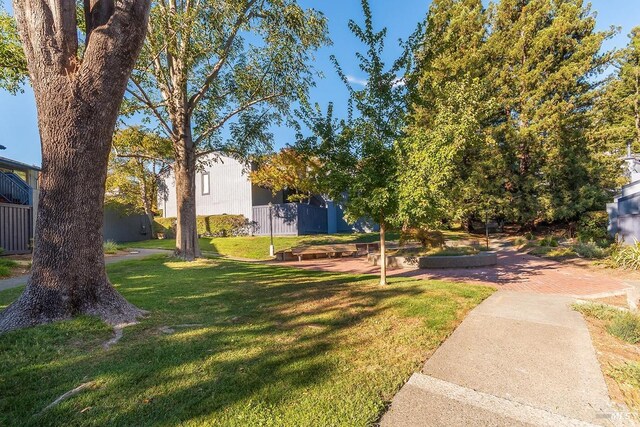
(428,401)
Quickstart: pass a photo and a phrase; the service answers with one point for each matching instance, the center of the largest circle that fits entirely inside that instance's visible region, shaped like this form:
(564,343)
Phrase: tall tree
(78,99)
(138,163)
(215,75)
(13,64)
(617,112)
(358,154)
(450,169)
(546,57)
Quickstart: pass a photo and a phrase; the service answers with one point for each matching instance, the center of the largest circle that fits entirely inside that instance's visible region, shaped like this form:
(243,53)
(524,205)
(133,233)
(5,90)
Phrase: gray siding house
(223,186)
(624,212)
(18,205)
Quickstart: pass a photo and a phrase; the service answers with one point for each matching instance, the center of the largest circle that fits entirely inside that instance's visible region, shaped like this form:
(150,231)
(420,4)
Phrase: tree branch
(224,56)
(226,118)
(144,98)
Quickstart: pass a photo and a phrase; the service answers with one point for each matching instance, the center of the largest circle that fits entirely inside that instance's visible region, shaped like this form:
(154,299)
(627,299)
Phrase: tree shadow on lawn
(245,339)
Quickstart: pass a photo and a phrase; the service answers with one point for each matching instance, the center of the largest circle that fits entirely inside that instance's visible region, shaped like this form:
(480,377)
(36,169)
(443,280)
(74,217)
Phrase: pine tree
(545,57)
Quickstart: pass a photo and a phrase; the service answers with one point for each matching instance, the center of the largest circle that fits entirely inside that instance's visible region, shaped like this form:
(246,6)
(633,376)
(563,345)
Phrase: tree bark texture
(78,103)
(187,245)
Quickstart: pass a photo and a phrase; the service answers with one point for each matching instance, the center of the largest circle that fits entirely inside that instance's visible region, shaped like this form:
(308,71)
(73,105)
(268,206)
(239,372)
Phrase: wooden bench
(331,251)
(353,249)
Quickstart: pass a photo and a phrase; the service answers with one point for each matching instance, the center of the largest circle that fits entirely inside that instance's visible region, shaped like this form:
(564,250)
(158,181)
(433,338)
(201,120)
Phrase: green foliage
(626,326)
(598,311)
(427,238)
(139,160)
(1,250)
(110,247)
(13,64)
(5,266)
(626,257)
(359,153)
(448,165)
(208,226)
(529,236)
(520,241)
(223,226)
(165,226)
(617,111)
(291,170)
(627,374)
(590,250)
(549,241)
(545,58)
(593,226)
(240,65)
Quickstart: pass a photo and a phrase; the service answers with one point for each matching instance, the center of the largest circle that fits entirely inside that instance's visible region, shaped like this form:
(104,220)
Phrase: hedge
(208,226)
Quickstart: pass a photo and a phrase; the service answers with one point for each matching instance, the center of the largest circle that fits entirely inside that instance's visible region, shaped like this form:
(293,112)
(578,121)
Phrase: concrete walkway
(133,254)
(518,359)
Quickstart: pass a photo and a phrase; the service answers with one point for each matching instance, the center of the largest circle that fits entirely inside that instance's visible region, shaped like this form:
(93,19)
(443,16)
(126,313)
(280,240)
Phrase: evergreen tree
(545,59)
(616,116)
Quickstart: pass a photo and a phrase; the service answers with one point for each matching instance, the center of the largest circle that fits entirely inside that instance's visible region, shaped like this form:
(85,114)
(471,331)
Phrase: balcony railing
(14,189)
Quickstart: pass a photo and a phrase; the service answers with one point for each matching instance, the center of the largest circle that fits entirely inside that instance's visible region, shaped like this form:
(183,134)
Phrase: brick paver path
(515,271)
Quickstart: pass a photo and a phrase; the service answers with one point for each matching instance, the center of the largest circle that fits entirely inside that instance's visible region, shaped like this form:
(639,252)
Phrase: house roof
(17,165)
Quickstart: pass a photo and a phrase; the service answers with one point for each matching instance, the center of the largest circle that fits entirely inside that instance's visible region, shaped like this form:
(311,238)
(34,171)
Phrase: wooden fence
(290,219)
(16,228)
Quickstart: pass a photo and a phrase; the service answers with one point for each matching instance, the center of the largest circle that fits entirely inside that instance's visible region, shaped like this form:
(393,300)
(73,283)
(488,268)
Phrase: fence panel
(312,219)
(285,220)
(16,228)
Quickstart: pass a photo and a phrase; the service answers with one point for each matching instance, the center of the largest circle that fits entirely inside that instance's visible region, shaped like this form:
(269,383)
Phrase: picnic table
(329,251)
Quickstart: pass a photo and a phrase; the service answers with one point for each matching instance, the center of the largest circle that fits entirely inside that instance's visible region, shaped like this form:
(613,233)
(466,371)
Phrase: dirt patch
(613,352)
(616,301)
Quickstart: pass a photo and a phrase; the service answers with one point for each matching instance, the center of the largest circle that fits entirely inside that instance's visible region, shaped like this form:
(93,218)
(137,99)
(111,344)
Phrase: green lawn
(257,247)
(232,344)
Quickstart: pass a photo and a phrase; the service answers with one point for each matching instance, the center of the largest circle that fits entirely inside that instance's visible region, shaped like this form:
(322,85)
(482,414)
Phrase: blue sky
(18,121)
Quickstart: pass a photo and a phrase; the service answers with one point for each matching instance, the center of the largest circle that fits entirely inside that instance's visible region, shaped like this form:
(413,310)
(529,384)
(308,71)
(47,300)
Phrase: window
(206,185)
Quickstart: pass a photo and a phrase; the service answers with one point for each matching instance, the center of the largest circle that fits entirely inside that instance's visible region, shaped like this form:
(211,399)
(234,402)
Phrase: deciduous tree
(13,64)
(359,153)
(78,96)
(289,170)
(215,75)
(138,163)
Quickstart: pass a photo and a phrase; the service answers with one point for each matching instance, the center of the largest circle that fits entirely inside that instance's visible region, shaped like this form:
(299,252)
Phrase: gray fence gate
(16,228)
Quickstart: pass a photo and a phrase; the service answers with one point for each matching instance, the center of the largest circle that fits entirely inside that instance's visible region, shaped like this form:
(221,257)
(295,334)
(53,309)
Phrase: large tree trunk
(187,245)
(78,105)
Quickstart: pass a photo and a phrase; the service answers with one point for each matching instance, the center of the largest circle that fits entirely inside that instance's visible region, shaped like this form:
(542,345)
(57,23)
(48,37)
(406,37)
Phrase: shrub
(626,326)
(5,266)
(549,241)
(1,250)
(165,226)
(110,247)
(519,241)
(593,226)
(208,226)
(223,225)
(427,238)
(529,236)
(627,257)
(590,250)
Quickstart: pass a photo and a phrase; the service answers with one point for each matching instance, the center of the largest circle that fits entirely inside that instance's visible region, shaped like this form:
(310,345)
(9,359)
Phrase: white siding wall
(230,191)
